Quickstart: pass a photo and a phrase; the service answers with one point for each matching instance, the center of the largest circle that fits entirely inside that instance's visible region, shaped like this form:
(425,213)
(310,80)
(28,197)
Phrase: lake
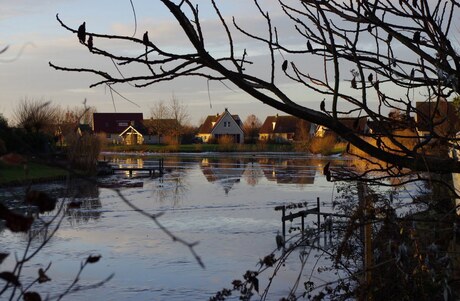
(223,201)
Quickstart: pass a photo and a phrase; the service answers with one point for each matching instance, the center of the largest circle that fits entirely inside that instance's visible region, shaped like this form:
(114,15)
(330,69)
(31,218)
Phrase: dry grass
(172,144)
(226,143)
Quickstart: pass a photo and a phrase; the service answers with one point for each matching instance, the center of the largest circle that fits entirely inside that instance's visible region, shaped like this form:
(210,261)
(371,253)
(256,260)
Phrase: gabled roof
(212,120)
(114,122)
(139,128)
(441,115)
(283,124)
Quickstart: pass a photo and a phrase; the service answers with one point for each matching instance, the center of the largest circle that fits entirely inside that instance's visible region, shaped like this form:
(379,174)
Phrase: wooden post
(284,222)
(303,225)
(161,166)
(318,215)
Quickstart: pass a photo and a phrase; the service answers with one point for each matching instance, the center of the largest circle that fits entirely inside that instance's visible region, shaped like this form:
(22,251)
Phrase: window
(226,124)
(122,124)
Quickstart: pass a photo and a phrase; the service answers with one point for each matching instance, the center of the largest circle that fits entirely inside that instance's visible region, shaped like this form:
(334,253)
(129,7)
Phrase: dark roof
(207,126)
(357,124)
(159,126)
(114,122)
(283,124)
(387,126)
(442,115)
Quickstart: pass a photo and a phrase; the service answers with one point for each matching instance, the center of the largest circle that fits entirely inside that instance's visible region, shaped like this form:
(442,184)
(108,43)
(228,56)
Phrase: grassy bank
(34,172)
(197,148)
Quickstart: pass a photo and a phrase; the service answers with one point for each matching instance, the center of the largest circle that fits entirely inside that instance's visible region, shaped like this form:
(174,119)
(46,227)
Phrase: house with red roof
(357,124)
(438,117)
(284,128)
(219,125)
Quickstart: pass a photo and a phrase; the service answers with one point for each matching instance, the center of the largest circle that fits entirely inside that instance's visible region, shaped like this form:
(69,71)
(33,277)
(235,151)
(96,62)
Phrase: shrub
(83,151)
(323,145)
(261,145)
(173,144)
(226,143)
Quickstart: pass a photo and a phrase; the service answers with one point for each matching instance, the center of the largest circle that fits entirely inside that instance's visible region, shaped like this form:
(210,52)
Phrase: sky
(34,37)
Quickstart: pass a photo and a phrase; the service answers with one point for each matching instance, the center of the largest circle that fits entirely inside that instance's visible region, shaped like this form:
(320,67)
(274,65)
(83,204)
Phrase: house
(389,126)
(440,117)
(160,130)
(284,128)
(358,124)
(149,131)
(219,125)
(110,125)
(135,133)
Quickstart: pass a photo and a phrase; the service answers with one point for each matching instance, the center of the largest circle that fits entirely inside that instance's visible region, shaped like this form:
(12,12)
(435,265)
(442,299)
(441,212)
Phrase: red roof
(441,117)
(283,124)
(114,122)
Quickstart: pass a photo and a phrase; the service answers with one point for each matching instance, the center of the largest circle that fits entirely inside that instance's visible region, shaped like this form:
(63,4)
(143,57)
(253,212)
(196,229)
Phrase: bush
(173,144)
(83,151)
(226,143)
(323,145)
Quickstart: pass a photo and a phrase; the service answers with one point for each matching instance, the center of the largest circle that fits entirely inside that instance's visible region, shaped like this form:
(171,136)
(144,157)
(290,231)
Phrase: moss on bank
(10,174)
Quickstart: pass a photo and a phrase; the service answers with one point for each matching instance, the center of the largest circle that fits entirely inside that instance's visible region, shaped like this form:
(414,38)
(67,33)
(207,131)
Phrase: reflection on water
(225,171)
(224,202)
(228,171)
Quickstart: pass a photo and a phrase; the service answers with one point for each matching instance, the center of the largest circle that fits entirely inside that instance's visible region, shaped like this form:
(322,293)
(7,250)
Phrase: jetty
(152,170)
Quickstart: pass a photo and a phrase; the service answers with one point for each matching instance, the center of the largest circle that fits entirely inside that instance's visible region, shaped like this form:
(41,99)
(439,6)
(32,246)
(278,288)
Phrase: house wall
(277,136)
(112,138)
(204,137)
(228,126)
(153,139)
(264,136)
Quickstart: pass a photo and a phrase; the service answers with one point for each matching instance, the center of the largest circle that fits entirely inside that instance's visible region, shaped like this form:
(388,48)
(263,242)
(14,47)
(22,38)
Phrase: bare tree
(334,31)
(251,127)
(180,116)
(35,115)
(376,56)
(159,111)
(169,118)
(158,114)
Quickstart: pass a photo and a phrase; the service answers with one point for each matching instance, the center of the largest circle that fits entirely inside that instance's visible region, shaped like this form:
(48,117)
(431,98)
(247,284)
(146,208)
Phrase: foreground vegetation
(10,174)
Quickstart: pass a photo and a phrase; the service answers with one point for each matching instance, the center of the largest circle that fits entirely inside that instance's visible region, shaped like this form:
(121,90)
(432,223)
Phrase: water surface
(224,202)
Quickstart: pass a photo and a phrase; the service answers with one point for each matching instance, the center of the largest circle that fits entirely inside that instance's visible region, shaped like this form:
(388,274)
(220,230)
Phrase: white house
(225,124)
